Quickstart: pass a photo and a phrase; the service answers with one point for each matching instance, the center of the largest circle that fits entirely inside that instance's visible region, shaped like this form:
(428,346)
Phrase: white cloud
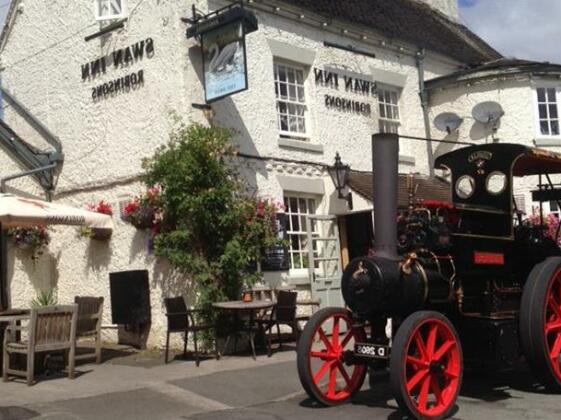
(527,29)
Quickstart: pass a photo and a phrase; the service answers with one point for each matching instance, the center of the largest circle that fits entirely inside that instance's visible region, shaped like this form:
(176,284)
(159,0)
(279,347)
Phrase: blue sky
(527,29)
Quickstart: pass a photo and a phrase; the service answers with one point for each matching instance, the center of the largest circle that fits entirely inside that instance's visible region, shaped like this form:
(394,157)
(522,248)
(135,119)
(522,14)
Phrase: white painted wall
(104,142)
(448,7)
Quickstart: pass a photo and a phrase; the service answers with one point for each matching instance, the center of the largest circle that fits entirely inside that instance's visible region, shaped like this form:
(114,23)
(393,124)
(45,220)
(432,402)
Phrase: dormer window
(109,9)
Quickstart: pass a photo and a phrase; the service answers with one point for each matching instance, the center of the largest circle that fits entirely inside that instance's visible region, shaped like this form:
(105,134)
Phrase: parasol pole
(3,269)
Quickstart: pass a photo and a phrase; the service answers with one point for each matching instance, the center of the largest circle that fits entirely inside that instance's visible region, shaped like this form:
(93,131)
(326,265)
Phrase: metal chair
(49,329)
(283,313)
(90,314)
(182,320)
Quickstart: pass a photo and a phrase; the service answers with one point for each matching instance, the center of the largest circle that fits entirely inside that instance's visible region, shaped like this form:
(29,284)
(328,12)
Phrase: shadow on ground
(486,386)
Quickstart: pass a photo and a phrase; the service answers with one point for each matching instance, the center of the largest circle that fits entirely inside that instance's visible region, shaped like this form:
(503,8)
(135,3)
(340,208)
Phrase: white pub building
(90,85)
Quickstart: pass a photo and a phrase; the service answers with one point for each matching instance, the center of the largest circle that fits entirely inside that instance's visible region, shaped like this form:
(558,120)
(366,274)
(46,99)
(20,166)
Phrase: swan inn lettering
(350,84)
(120,58)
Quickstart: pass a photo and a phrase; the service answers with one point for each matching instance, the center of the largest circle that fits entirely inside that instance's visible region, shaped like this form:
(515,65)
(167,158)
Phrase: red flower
(131,207)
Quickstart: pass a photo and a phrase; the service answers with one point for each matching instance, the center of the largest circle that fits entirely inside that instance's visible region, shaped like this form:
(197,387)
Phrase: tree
(211,230)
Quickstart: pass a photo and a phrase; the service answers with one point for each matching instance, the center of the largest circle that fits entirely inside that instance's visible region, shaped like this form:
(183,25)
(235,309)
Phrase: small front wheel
(325,376)
(426,366)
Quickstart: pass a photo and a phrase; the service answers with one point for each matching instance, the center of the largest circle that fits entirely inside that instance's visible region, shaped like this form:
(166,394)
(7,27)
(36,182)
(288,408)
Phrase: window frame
(307,123)
(302,233)
(537,119)
(385,120)
(103,18)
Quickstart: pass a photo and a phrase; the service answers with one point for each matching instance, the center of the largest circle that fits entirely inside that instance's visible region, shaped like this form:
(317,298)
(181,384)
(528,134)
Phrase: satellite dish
(487,112)
(448,122)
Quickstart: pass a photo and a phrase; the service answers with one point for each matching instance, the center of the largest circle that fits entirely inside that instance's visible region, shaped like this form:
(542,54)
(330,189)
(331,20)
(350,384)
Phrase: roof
(427,188)
(410,21)
(491,69)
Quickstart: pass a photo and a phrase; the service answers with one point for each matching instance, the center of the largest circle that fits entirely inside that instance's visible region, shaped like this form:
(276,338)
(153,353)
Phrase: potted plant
(143,211)
(102,207)
(34,238)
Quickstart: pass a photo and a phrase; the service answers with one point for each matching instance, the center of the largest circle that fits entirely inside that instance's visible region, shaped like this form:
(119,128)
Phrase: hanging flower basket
(32,238)
(98,234)
(142,211)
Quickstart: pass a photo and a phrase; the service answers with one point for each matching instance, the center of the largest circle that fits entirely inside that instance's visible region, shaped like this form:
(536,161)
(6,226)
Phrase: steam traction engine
(459,282)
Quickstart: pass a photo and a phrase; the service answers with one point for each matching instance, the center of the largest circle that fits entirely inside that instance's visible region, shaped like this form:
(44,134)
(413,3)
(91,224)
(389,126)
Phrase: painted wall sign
(118,59)
(121,84)
(350,84)
(224,61)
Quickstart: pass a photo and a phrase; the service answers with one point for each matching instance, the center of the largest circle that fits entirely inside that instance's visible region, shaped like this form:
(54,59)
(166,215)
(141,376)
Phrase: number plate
(376,351)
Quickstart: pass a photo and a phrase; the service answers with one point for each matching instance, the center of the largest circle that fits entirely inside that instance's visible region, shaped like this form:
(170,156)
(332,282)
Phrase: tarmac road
(240,388)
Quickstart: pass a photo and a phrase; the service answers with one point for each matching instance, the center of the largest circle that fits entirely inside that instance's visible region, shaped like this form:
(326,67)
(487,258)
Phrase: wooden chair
(313,304)
(49,329)
(182,320)
(90,314)
(283,313)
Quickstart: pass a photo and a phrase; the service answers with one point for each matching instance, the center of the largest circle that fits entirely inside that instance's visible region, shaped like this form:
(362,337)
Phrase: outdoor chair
(90,313)
(283,313)
(49,329)
(182,320)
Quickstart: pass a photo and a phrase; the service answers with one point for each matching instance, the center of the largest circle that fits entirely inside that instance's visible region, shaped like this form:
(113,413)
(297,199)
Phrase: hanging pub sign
(224,61)
(222,37)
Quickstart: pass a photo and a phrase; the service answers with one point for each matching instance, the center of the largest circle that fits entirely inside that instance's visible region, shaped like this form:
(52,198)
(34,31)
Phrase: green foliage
(210,229)
(45,298)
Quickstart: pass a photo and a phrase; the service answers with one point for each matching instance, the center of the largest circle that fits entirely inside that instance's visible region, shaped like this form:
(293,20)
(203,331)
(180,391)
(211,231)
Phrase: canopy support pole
(3,269)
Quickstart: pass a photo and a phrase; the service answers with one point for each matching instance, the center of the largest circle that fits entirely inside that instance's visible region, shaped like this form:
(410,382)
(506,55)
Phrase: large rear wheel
(328,337)
(540,322)
(426,366)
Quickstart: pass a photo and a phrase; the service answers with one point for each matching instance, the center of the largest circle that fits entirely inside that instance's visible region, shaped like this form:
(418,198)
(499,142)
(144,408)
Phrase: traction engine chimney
(385,160)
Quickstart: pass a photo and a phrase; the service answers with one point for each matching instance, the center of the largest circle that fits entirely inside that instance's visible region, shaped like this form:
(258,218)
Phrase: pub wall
(105,141)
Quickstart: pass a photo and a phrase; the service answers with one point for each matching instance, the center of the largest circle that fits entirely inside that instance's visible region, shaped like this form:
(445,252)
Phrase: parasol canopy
(26,212)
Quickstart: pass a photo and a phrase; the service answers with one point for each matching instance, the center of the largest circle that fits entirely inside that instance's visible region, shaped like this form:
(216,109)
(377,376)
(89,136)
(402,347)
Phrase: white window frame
(97,4)
(292,134)
(384,120)
(546,86)
(301,232)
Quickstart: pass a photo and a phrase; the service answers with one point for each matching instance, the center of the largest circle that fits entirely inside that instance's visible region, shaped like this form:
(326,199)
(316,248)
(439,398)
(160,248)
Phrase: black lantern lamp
(340,175)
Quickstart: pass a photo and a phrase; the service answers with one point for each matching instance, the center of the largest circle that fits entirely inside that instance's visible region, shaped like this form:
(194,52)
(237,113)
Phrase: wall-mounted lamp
(339,173)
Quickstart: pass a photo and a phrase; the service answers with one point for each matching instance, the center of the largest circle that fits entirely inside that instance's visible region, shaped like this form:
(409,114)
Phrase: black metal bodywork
(468,259)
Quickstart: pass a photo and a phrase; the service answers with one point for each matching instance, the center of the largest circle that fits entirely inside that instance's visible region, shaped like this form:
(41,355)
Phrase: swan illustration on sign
(224,61)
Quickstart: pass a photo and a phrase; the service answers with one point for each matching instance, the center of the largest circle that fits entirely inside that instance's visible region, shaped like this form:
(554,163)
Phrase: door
(324,256)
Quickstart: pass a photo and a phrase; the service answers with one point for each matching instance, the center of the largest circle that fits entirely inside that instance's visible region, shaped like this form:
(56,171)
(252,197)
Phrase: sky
(528,29)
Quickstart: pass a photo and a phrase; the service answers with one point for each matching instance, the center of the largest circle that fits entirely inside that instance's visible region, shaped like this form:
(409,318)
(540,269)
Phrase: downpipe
(424,96)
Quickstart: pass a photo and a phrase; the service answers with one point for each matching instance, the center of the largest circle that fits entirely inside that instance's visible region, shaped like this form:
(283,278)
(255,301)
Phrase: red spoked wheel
(426,366)
(540,322)
(327,339)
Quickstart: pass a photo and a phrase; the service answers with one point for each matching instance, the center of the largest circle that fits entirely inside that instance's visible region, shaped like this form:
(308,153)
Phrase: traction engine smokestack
(385,160)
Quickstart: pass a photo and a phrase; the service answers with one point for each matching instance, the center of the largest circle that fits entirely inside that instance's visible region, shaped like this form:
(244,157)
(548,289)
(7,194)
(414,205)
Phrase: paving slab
(248,386)
(139,404)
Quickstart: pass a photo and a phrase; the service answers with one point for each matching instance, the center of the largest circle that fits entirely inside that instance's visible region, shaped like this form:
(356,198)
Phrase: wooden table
(239,307)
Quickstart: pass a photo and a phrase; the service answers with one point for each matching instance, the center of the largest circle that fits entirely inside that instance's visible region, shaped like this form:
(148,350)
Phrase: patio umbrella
(26,212)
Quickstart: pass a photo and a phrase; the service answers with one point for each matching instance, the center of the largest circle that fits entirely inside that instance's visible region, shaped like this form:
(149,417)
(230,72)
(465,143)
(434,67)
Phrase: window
(554,208)
(297,208)
(291,101)
(465,186)
(109,9)
(389,110)
(547,111)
